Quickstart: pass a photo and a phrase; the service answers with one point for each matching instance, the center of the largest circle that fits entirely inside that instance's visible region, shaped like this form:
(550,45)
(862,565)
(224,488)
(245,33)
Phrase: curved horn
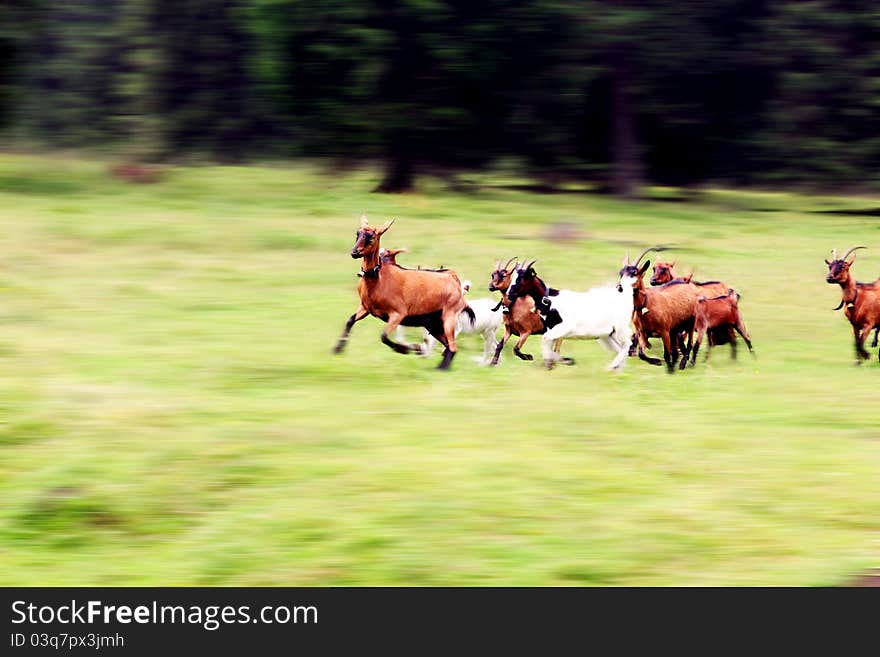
(364,222)
(529,266)
(855,248)
(833,255)
(507,264)
(647,251)
(497,265)
(386,225)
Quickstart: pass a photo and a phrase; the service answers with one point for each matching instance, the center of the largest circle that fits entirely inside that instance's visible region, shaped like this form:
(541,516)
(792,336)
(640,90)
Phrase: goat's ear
(645,266)
(364,223)
(386,225)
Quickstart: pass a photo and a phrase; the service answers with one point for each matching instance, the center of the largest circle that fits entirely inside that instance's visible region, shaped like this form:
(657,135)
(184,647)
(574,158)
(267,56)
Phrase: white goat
(602,313)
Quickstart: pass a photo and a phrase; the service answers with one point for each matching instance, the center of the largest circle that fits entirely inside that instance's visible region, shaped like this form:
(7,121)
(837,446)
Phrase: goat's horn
(507,264)
(529,266)
(647,251)
(833,255)
(364,222)
(855,248)
(387,225)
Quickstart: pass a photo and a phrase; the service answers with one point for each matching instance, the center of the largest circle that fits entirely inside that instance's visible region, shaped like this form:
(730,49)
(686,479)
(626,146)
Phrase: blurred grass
(170,412)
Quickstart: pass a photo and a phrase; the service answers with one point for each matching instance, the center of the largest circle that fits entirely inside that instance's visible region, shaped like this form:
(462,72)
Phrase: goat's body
(398,296)
(864,315)
(410,292)
(721,314)
(665,312)
(522,321)
(602,313)
(664,274)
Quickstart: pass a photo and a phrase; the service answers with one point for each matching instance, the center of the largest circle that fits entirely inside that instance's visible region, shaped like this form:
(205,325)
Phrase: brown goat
(721,312)
(411,297)
(662,312)
(520,318)
(664,272)
(861,301)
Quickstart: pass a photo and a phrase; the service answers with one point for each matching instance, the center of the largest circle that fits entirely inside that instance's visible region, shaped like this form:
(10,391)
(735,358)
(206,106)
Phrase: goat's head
(632,273)
(838,268)
(524,280)
(663,273)
(367,242)
(389,256)
(500,279)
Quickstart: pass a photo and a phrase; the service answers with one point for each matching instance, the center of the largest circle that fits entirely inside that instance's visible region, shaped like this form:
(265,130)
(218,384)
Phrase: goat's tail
(472,316)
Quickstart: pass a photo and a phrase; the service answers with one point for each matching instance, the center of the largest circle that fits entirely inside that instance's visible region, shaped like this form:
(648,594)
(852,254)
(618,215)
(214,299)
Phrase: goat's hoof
(524,356)
(567,361)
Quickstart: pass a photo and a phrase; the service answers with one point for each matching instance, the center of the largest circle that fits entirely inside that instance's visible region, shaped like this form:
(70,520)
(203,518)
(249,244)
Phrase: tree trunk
(627,173)
(399,170)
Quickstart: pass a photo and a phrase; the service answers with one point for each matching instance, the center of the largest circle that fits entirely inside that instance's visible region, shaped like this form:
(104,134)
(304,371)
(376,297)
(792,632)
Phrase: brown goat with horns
(861,301)
(408,297)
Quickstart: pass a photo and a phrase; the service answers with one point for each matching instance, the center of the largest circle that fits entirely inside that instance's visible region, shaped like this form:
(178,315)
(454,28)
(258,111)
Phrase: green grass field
(171,414)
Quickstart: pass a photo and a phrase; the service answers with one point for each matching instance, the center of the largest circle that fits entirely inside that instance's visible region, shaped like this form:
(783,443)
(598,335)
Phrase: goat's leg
(741,329)
(519,343)
(549,355)
(697,342)
(876,333)
(732,337)
(428,343)
(634,346)
(643,346)
(686,347)
(450,323)
(618,346)
(400,336)
(394,320)
(501,343)
(359,314)
(489,343)
(557,349)
(860,336)
(669,355)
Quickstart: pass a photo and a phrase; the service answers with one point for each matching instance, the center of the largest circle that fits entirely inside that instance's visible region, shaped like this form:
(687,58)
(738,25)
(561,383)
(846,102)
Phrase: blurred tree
(202,82)
(623,91)
(824,115)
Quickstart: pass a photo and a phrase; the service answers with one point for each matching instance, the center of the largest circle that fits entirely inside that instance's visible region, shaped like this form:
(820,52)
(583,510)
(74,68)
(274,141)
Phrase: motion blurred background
(179,191)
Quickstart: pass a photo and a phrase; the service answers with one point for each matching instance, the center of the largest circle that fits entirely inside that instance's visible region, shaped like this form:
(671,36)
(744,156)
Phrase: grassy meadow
(171,414)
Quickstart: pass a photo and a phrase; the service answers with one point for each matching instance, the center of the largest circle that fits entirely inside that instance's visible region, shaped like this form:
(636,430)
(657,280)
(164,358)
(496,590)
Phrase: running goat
(664,312)
(721,312)
(664,272)
(412,297)
(861,301)
(520,318)
(602,313)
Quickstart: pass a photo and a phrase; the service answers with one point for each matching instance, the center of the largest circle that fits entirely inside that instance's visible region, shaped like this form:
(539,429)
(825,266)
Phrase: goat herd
(677,310)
